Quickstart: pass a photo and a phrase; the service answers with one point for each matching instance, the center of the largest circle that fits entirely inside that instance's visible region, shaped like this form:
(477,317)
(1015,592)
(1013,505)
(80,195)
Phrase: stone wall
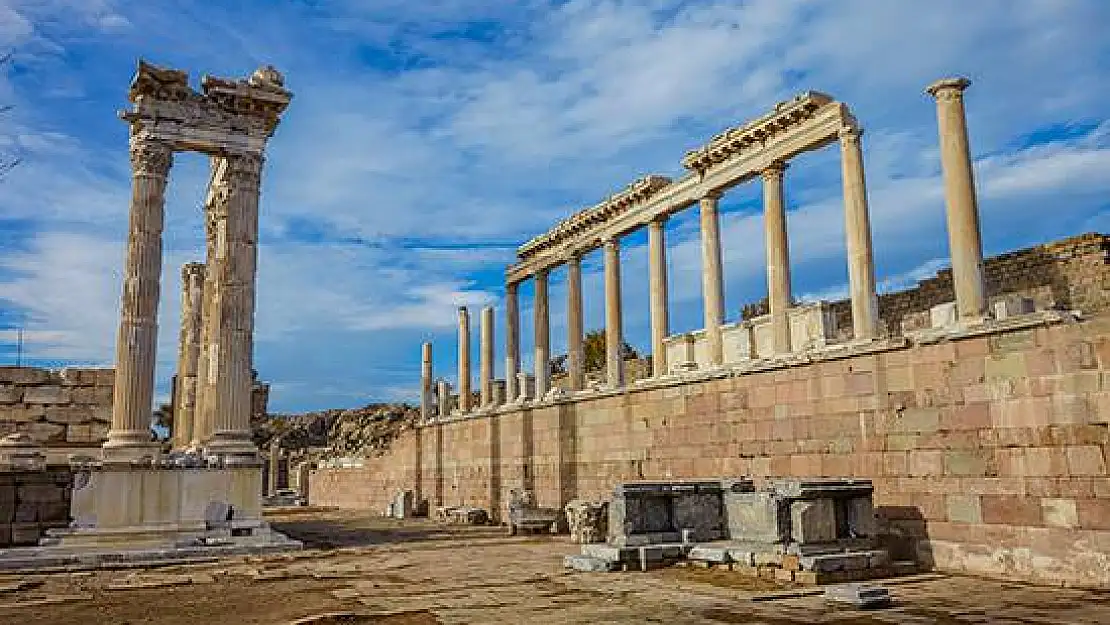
(1067,274)
(989,454)
(66,409)
(31,503)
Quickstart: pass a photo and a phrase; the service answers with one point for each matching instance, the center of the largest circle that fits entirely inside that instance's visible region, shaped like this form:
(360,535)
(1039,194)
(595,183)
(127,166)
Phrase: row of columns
(964,241)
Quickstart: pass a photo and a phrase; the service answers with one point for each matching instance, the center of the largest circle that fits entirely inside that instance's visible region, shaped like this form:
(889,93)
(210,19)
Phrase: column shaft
(485,366)
(130,434)
(575,355)
(712,283)
(230,315)
(192,291)
(542,327)
(857,229)
(512,343)
(778,256)
(657,270)
(425,381)
(202,419)
(464,359)
(614,336)
(964,235)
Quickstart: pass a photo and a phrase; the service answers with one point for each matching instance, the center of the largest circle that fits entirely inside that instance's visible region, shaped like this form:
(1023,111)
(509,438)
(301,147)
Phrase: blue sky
(426,139)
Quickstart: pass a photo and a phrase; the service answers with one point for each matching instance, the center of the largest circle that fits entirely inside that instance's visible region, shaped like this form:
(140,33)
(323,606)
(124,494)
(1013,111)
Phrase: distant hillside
(366,431)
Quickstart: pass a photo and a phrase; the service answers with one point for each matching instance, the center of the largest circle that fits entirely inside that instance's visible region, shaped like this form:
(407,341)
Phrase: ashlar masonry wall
(58,409)
(989,454)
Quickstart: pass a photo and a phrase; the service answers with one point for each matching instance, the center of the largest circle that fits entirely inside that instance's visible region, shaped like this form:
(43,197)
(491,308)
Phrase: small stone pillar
(130,435)
(778,256)
(485,365)
(464,359)
(512,341)
(657,269)
(614,335)
(712,286)
(426,381)
(542,327)
(443,398)
(185,386)
(575,355)
(275,458)
(964,234)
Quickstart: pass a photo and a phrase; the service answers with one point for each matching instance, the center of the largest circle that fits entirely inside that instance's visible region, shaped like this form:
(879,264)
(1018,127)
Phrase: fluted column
(133,396)
(230,361)
(192,290)
(464,359)
(202,419)
(657,270)
(542,326)
(512,342)
(614,334)
(575,355)
(857,229)
(485,365)
(965,244)
(712,288)
(778,255)
(425,381)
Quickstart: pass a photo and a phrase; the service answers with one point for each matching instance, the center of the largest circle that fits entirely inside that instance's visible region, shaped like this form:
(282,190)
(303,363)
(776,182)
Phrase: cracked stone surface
(360,569)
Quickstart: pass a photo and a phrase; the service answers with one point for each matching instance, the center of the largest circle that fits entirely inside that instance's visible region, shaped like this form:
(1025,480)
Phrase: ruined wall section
(989,454)
(66,409)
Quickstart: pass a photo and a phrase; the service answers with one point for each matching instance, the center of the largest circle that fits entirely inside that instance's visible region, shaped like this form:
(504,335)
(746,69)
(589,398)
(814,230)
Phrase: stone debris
(525,514)
(41,601)
(462,515)
(135,582)
(588,520)
(859,595)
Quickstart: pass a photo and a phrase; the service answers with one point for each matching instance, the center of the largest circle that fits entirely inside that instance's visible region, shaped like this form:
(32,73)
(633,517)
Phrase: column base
(233,449)
(130,446)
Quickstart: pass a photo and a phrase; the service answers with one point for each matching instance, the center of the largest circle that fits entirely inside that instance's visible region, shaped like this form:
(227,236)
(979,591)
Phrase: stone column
(275,458)
(512,342)
(857,229)
(443,398)
(576,357)
(778,255)
(657,270)
(464,359)
(614,366)
(542,327)
(230,315)
(964,235)
(485,365)
(202,422)
(425,381)
(185,399)
(132,400)
(712,288)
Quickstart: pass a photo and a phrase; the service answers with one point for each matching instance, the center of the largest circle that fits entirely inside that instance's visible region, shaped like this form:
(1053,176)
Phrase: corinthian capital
(150,157)
(850,134)
(774,171)
(245,165)
(948,89)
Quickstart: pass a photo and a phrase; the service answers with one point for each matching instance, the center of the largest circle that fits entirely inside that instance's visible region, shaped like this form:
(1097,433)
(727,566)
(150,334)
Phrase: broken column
(443,398)
(964,235)
(485,365)
(130,436)
(425,381)
(185,399)
(464,359)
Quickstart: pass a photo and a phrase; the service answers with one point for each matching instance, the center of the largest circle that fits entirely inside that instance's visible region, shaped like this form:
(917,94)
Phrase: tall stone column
(857,229)
(425,381)
(132,400)
(712,288)
(542,326)
(657,270)
(576,357)
(778,255)
(464,360)
(230,316)
(614,334)
(275,458)
(185,399)
(512,342)
(202,419)
(485,365)
(965,243)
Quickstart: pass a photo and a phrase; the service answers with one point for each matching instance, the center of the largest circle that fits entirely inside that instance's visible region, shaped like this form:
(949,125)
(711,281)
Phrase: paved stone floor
(372,570)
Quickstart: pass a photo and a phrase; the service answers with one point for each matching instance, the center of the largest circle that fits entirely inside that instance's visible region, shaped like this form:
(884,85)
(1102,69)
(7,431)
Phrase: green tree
(593,346)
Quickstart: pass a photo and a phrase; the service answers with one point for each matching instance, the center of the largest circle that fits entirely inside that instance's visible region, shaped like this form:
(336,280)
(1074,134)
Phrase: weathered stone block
(46,432)
(1011,510)
(49,394)
(861,517)
(964,509)
(26,533)
(1086,460)
(10,393)
(1059,512)
(39,493)
(813,521)
(942,315)
(961,462)
(754,516)
(67,415)
(24,375)
(586,564)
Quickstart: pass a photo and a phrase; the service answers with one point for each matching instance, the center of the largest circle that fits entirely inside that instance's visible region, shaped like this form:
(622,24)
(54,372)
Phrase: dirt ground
(361,569)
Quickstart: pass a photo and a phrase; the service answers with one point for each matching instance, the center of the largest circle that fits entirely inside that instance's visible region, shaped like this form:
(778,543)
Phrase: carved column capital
(246,165)
(150,157)
(850,134)
(712,195)
(774,171)
(948,89)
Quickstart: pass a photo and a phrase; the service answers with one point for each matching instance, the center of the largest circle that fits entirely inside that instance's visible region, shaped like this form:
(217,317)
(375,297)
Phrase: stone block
(756,517)
(1013,305)
(46,432)
(1086,460)
(784,575)
(1011,510)
(586,564)
(942,315)
(26,533)
(861,517)
(964,509)
(40,493)
(914,420)
(813,521)
(767,558)
(962,462)
(742,557)
(1004,367)
(836,562)
(67,415)
(105,377)
(608,553)
(79,434)
(709,554)
(1059,512)
(10,393)
(48,394)
(24,375)
(858,595)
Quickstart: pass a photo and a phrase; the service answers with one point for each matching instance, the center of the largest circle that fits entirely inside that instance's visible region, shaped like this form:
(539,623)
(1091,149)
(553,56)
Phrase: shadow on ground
(321,528)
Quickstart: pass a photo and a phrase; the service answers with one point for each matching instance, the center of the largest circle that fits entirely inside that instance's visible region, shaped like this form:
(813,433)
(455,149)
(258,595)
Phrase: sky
(426,140)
